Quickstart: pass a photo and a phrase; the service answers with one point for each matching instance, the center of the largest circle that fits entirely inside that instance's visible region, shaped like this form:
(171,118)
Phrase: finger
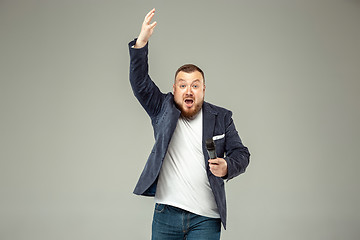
(153,25)
(214,161)
(150,15)
(213,171)
(214,168)
(216,173)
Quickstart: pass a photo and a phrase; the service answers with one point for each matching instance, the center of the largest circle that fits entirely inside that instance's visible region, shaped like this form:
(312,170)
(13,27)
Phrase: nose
(189,91)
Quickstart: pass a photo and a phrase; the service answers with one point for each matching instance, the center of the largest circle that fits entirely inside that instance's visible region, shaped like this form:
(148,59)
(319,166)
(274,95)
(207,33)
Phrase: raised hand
(147,29)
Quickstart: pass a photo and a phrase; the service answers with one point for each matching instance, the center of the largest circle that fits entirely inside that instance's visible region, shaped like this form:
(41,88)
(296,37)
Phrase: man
(188,186)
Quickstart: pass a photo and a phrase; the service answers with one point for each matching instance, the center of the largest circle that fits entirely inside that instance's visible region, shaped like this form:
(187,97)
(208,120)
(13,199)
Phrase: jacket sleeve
(145,90)
(237,155)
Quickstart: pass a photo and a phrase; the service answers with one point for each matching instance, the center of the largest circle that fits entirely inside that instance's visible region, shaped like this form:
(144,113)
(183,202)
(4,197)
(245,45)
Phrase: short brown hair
(189,68)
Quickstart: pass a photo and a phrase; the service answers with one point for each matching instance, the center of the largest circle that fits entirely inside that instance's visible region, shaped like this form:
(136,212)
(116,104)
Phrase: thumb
(153,25)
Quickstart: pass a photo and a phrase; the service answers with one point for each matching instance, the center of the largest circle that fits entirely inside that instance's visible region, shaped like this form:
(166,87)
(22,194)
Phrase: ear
(174,88)
(204,88)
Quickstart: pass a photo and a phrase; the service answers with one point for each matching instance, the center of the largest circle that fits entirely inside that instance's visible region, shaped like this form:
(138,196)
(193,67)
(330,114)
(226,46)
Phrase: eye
(182,85)
(195,86)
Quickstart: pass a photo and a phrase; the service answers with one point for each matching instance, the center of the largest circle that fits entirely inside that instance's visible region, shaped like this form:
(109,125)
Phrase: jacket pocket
(220,147)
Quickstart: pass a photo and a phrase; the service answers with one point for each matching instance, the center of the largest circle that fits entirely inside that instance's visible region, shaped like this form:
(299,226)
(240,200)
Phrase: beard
(189,112)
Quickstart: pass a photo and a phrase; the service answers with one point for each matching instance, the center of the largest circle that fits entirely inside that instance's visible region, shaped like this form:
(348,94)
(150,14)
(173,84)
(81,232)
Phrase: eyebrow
(196,80)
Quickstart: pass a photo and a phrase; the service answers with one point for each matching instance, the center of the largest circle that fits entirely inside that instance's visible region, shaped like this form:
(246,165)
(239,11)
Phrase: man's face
(189,92)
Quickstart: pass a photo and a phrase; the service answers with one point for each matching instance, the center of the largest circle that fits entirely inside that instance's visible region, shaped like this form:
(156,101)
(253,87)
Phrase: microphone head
(210,145)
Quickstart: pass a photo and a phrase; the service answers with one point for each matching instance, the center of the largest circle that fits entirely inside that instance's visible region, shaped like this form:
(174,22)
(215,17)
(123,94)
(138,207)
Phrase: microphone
(210,146)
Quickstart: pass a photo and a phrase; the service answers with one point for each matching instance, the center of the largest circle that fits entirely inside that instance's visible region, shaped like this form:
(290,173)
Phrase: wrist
(140,43)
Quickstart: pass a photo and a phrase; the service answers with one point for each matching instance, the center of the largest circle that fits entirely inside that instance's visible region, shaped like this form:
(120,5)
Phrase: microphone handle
(212,154)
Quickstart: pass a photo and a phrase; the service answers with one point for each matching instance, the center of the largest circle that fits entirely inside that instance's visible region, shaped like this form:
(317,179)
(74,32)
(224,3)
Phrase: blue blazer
(164,115)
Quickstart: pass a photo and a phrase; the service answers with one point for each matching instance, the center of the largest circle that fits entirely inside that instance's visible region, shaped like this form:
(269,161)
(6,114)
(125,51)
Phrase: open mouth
(189,102)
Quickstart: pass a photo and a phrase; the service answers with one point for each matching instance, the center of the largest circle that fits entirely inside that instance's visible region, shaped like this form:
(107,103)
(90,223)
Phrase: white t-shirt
(183,180)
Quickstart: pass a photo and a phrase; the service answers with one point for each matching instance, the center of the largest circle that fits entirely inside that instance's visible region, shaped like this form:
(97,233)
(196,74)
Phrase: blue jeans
(174,223)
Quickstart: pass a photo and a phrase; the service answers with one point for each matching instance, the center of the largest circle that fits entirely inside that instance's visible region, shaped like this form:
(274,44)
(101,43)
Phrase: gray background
(74,139)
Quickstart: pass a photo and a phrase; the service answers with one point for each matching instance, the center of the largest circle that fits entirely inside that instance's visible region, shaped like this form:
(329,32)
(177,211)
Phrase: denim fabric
(172,223)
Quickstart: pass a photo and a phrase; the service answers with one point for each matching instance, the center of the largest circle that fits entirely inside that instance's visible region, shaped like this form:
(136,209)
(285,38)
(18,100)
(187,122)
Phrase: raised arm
(147,29)
(145,90)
